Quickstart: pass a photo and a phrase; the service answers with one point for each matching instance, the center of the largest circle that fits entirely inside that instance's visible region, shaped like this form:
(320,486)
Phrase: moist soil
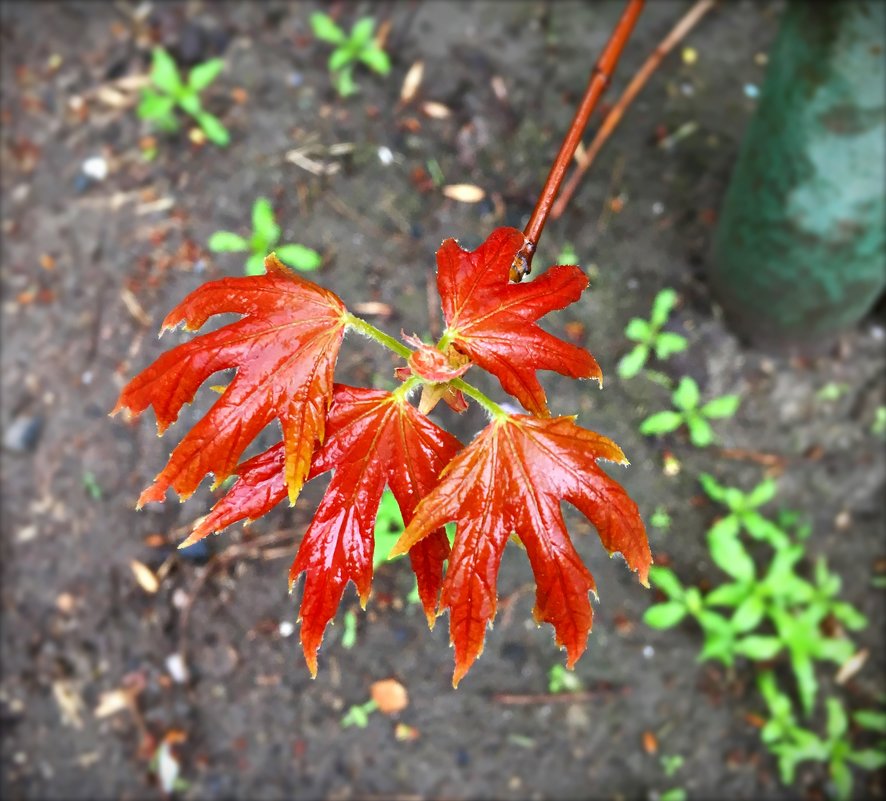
(92,264)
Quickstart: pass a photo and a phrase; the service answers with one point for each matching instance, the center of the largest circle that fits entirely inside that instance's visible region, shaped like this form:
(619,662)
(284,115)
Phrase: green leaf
(154,105)
(686,394)
(255,265)
(848,615)
(762,493)
(700,433)
(638,330)
(213,128)
(204,74)
(189,101)
(339,58)
(725,527)
(837,720)
(869,719)
(714,624)
(325,29)
(714,490)
(376,59)
(869,759)
(362,31)
(164,73)
(749,614)
(664,579)
(832,649)
(661,307)
(841,776)
(758,647)
(765,530)
(264,223)
(807,684)
(299,257)
(668,343)
(731,594)
(661,423)
(674,794)
(344,82)
(227,242)
(631,363)
(663,616)
(724,406)
(730,555)
(720,647)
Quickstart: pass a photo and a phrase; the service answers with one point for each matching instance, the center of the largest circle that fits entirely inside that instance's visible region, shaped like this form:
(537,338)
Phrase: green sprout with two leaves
(169,91)
(689,411)
(264,239)
(792,744)
(350,50)
(650,338)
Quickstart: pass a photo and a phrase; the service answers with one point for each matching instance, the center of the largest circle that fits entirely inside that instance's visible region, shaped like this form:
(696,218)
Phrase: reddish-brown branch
(600,77)
(686,24)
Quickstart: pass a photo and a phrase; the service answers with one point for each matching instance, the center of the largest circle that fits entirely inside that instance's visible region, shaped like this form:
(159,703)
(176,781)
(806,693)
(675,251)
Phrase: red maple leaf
(510,479)
(284,348)
(494,321)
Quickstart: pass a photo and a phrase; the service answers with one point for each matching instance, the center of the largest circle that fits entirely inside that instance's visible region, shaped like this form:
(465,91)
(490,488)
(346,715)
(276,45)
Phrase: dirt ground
(90,267)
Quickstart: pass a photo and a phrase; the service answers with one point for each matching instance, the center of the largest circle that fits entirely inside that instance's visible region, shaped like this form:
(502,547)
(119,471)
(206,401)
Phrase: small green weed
(686,399)
(265,235)
(350,50)
(649,336)
(169,91)
(792,744)
(561,680)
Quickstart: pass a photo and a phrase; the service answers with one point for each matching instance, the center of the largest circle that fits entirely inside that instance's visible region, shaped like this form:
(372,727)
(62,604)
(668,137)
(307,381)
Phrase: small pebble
(295,79)
(751,90)
(23,434)
(648,651)
(176,668)
(658,208)
(286,628)
(385,156)
(95,168)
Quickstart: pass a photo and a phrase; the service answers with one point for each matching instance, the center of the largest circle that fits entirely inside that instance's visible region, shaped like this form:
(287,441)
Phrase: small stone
(385,156)
(286,628)
(22,434)
(177,668)
(95,168)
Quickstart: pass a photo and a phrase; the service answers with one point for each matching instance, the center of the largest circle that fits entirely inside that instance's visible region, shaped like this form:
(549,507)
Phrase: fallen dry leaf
(144,576)
(464,193)
(412,81)
(389,695)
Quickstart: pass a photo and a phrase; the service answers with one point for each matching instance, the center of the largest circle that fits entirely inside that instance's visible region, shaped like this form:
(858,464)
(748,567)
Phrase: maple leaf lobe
(494,321)
(284,349)
(511,478)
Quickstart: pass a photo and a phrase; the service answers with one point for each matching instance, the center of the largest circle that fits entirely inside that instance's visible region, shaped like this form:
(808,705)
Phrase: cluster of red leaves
(509,480)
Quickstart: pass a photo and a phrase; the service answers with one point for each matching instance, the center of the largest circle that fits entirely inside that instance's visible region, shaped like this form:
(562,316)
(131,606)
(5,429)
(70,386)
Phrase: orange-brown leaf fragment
(494,321)
(284,349)
(374,438)
(511,479)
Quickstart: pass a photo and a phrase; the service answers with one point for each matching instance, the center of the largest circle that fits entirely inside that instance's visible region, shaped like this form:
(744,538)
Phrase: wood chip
(144,576)
(851,666)
(436,110)
(373,308)
(464,193)
(390,696)
(134,307)
(412,81)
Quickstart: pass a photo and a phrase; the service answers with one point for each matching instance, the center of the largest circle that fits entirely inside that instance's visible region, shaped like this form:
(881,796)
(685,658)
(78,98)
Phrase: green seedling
(792,744)
(358,715)
(561,680)
(169,91)
(671,763)
(773,611)
(878,427)
(349,630)
(350,50)
(649,336)
(265,235)
(660,518)
(674,794)
(686,398)
(743,514)
(567,254)
(91,485)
